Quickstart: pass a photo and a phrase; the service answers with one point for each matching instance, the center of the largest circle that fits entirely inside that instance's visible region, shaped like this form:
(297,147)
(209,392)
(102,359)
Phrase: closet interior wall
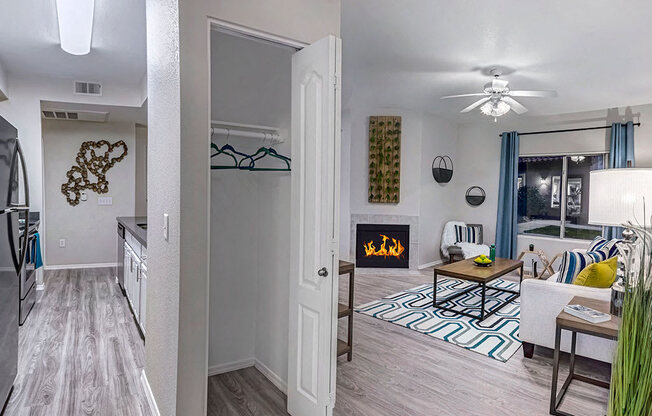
(250,211)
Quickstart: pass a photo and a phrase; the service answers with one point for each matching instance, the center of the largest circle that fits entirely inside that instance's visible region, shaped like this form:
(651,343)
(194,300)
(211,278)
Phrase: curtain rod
(565,130)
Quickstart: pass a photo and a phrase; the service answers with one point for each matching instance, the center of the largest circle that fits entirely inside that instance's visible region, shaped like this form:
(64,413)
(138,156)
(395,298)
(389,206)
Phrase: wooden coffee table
(467,270)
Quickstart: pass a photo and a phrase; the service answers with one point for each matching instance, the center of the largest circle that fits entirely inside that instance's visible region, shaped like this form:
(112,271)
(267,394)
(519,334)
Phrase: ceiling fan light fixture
(495,109)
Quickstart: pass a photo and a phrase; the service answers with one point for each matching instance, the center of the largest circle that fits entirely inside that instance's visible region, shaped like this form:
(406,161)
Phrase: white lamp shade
(617,196)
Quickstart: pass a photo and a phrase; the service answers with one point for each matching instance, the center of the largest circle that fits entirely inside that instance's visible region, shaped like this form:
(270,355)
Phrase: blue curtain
(506,223)
(621,155)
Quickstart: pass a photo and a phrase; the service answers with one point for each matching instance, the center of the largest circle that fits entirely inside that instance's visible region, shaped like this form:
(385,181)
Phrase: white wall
(478,161)
(89,229)
(140,150)
(23,110)
(423,137)
(250,221)
(437,202)
(179,102)
(3,83)
(164,196)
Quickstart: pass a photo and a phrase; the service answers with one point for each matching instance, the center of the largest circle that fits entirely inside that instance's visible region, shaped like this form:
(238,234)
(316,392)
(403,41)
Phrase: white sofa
(541,302)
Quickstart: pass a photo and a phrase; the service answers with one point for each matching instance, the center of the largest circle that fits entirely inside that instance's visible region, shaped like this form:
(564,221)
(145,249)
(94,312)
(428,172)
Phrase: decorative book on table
(587,314)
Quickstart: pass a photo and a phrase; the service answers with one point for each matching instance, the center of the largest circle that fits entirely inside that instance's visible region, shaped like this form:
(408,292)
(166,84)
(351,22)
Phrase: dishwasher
(120,269)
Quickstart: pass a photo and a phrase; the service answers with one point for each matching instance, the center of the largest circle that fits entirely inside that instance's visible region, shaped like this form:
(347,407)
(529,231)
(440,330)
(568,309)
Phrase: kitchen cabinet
(135,281)
(143,296)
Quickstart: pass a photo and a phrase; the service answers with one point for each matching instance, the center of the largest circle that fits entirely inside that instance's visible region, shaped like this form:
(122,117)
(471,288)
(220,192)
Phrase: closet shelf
(250,131)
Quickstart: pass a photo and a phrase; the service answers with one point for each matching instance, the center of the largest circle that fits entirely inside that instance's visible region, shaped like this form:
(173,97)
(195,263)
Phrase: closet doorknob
(323,272)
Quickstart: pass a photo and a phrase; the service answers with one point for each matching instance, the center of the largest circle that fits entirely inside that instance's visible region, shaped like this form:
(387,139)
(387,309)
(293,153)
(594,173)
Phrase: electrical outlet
(62,243)
(83,196)
(104,200)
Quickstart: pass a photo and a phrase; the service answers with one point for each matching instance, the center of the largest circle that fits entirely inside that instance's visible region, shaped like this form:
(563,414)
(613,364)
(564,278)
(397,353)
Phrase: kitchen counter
(131,225)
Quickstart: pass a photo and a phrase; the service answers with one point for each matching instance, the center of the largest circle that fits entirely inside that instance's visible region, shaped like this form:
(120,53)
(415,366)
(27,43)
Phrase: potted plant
(631,376)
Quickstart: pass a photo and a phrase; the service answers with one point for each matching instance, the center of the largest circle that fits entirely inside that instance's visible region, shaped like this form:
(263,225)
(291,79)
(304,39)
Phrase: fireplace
(382,245)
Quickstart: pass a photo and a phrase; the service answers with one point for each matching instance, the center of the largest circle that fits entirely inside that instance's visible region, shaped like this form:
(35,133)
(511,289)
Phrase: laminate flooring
(399,372)
(80,352)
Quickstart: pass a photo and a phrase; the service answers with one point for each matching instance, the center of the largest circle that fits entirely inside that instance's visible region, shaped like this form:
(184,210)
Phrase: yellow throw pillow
(601,275)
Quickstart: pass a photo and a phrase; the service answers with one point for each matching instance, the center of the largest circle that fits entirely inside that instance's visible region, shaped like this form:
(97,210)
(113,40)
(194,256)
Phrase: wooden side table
(547,265)
(346,310)
(565,321)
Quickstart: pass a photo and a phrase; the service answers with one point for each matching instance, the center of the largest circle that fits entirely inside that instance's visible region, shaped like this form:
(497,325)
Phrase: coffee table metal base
(483,313)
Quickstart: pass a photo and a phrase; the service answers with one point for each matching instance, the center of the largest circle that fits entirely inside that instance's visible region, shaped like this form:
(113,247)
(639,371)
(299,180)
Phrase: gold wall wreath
(88,161)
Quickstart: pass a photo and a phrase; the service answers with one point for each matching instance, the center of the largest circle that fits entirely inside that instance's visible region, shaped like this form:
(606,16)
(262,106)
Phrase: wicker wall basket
(475,196)
(442,169)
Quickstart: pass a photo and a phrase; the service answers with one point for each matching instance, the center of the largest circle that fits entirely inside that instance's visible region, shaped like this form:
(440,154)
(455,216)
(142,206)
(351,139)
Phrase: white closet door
(314,228)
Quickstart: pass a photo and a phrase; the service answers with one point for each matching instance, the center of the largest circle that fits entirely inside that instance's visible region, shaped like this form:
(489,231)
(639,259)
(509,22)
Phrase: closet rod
(272,137)
(246,130)
(565,130)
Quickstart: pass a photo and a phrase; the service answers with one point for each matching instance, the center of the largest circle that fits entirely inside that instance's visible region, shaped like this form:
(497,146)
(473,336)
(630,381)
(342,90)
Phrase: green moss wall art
(384,159)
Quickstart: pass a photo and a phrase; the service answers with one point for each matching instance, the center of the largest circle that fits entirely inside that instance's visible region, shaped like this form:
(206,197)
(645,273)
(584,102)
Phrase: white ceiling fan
(498,99)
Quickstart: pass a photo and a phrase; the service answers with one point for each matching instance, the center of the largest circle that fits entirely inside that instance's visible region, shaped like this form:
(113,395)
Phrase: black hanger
(265,151)
(223,151)
(228,147)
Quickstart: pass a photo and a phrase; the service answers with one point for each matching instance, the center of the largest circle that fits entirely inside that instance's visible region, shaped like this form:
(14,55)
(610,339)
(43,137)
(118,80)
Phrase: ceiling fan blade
(533,93)
(475,104)
(477,94)
(515,105)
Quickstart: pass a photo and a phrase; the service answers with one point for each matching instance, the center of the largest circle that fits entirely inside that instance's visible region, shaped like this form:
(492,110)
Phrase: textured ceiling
(595,53)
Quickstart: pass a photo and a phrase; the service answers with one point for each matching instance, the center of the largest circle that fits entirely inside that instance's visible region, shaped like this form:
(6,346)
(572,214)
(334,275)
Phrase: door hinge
(332,246)
(331,399)
(335,81)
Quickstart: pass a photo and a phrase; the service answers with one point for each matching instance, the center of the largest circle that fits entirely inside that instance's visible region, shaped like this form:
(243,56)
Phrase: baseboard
(272,376)
(432,263)
(148,393)
(232,366)
(79,266)
(40,286)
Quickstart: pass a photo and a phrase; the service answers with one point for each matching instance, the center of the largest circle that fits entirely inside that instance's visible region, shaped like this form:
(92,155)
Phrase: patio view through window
(544,208)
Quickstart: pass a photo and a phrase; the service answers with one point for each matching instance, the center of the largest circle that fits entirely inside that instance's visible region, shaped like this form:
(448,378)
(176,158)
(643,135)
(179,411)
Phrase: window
(544,209)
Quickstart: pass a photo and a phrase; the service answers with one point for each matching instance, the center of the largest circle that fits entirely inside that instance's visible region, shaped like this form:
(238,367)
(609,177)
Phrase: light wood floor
(399,372)
(79,351)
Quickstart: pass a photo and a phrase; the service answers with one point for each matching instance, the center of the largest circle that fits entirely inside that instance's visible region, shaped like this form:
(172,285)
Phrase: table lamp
(618,198)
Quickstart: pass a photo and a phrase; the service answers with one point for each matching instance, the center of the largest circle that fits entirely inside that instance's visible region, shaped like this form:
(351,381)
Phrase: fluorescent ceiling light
(75,25)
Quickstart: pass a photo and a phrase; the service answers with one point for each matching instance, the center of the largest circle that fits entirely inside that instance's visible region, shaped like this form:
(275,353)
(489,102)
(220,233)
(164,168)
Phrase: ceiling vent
(88,88)
(97,116)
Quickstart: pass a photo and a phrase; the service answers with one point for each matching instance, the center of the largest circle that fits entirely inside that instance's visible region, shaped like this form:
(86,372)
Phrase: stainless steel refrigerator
(14,201)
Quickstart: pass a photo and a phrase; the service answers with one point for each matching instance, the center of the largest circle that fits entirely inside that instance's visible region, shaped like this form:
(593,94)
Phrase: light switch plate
(166,226)
(83,196)
(62,243)
(104,200)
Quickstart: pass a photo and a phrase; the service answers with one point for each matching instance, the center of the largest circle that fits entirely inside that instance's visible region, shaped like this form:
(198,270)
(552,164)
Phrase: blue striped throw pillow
(610,247)
(464,234)
(460,234)
(573,262)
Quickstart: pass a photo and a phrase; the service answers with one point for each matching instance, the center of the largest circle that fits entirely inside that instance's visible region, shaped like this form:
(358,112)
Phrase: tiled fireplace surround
(412,221)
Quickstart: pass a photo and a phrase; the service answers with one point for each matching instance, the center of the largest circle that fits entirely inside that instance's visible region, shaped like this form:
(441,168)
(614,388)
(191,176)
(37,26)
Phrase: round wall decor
(442,169)
(475,196)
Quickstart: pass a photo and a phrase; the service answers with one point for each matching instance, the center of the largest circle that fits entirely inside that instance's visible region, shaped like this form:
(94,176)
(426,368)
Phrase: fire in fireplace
(382,245)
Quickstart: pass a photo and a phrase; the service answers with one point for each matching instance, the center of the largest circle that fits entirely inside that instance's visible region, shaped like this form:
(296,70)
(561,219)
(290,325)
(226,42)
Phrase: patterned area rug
(495,337)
